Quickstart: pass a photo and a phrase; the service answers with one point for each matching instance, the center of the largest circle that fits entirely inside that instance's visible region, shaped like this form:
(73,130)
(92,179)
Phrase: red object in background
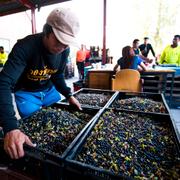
(76,88)
(87,64)
(88,54)
(77,85)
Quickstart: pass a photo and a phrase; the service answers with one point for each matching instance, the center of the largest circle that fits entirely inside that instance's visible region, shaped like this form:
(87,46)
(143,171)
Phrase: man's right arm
(152,50)
(141,47)
(8,78)
(162,57)
(117,66)
(14,138)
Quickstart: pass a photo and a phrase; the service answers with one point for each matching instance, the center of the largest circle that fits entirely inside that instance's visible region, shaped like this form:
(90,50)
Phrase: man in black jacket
(34,72)
(146,47)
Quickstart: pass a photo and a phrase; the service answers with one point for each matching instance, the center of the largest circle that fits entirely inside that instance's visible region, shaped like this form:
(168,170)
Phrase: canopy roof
(8,7)
(14,6)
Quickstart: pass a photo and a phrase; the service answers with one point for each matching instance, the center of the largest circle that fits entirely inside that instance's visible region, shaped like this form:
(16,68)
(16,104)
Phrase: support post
(104,34)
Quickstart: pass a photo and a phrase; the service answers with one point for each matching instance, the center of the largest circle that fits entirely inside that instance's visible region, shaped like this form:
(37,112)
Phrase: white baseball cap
(65,25)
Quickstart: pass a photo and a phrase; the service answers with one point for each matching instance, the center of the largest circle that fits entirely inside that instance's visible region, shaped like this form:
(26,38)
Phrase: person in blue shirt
(129,60)
(135,46)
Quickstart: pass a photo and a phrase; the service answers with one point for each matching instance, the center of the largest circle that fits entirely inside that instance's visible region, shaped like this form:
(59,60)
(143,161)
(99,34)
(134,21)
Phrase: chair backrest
(127,80)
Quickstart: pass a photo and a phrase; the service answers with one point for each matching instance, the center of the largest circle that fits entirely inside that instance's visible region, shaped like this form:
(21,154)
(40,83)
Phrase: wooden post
(33,21)
(30,5)
(104,34)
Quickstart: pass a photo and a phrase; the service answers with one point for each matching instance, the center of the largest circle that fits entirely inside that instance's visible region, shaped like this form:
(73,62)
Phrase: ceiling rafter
(27,4)
(14,6)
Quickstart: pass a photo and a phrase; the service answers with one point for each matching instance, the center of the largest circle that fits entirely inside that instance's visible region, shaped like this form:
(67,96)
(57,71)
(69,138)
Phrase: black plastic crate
(168,144)
(140,102)
(78,85)
(29,167)
(92,98)
(44,164)
(7,174)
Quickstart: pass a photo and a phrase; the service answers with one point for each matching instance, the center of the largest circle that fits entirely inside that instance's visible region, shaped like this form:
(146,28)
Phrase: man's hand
(72,100)
(149,60)
(13,143)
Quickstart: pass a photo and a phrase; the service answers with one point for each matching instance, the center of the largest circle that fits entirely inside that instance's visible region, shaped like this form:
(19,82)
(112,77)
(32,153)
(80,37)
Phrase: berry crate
(123,144)
(55,130)
(92,98)
(140,102)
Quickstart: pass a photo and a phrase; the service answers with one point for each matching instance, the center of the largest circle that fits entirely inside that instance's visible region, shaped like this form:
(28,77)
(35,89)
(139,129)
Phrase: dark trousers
(80,66)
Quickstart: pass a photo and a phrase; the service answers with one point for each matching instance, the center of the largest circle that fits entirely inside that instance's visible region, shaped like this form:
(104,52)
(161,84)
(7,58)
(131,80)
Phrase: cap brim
(64,38)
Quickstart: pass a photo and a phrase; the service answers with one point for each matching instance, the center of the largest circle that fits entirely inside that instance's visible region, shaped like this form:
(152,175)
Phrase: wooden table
(155,80)
(100,78)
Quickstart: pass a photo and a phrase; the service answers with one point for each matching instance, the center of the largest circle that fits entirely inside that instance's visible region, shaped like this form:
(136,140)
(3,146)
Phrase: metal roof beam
(27,4)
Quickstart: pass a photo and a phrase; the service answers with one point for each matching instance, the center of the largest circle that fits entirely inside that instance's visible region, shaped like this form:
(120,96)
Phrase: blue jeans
(30,102)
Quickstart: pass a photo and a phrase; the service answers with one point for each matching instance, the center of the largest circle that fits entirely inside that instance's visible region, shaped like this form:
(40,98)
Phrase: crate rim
(47,156)
(139,94)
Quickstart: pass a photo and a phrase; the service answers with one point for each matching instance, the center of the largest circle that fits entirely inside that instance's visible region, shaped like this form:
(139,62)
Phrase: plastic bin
(138,97)
(39,163)
(75,168)
(92,98)
(78,85)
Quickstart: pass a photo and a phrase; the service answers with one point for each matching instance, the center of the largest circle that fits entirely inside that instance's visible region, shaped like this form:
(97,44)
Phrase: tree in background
(166,18)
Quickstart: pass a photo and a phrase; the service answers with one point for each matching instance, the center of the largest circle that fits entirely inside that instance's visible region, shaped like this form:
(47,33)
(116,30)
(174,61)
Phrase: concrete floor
(175,114)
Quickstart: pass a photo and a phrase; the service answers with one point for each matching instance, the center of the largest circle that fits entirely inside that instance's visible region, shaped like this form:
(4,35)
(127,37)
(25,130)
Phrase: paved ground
(175,113)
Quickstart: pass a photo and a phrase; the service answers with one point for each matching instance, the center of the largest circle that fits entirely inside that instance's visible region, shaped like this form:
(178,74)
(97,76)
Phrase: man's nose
(60,49)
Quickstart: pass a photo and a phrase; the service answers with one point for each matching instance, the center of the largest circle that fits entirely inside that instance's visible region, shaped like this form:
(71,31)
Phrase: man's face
(176,41)
(1,50)
(145,41)
(53,45)
(131,52)
(136,45)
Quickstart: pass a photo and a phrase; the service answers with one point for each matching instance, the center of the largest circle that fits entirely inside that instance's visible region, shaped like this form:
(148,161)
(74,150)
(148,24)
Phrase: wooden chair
(127,80)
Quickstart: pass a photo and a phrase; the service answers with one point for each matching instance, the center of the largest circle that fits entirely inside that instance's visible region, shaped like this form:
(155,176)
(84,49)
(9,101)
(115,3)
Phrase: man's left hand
(72,100)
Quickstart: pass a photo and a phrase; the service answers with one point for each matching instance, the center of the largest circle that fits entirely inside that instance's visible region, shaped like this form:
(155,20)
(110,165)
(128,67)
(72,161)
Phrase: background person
(80,60)
(171,54)
(137,52)
(129,60)
(34,71)
(135,46)
(146,47)
(3,56)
